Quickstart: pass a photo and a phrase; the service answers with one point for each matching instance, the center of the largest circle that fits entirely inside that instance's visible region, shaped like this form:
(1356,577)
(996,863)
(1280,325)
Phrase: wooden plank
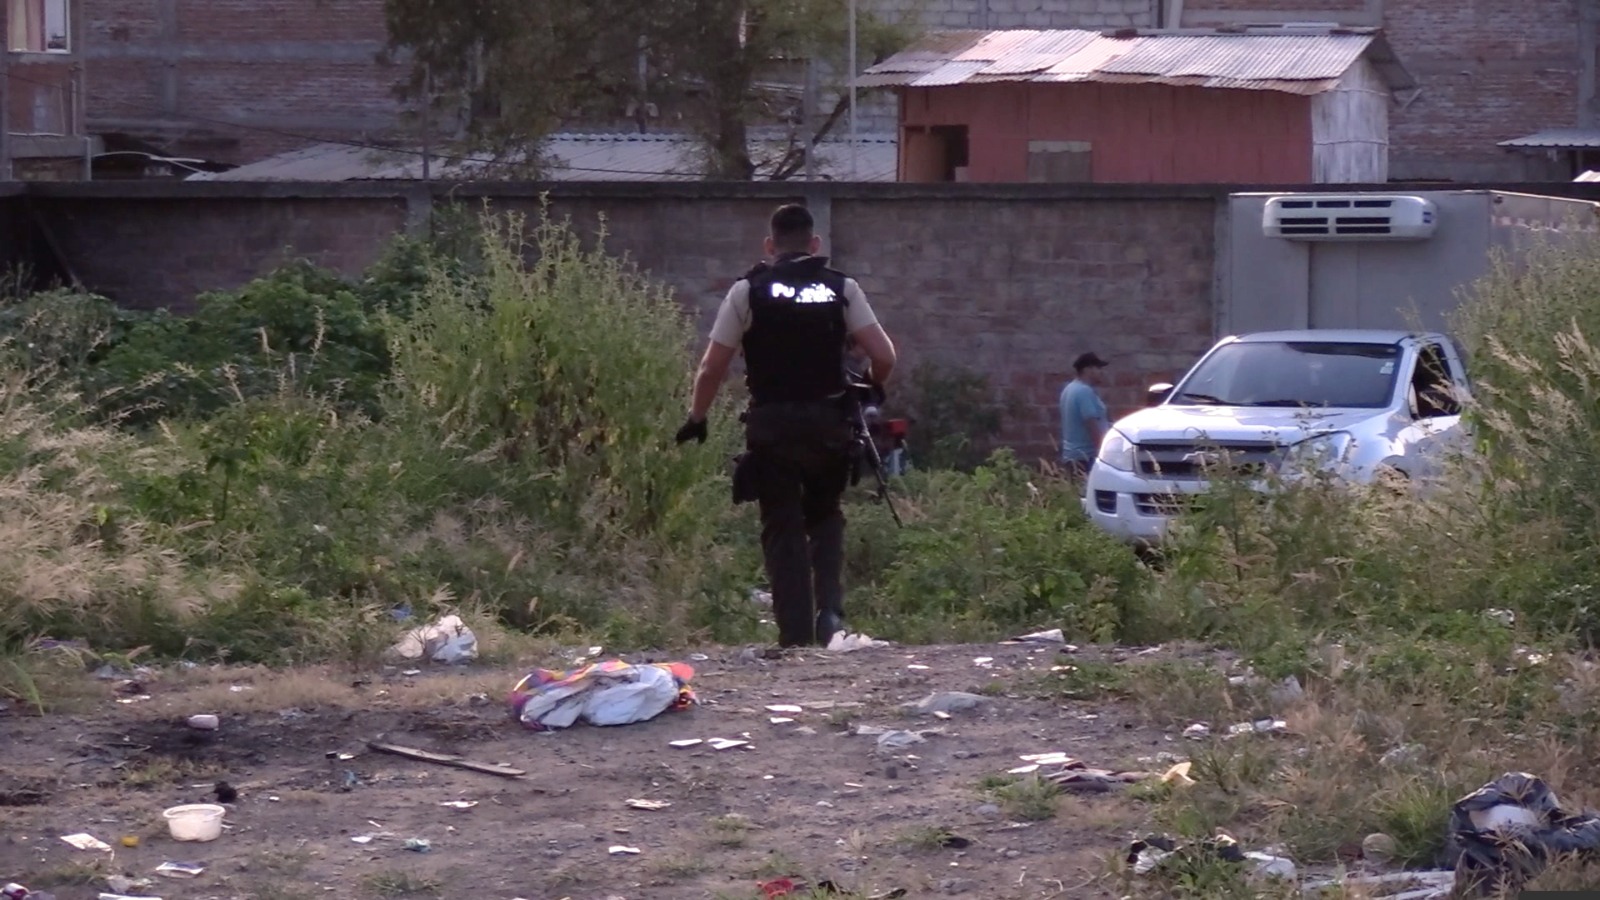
(442,759)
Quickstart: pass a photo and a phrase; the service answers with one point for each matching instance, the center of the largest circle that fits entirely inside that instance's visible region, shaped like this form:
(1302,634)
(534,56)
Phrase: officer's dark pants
(800,465)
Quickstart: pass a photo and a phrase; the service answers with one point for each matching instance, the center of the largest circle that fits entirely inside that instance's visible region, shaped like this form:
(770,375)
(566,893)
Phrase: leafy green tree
(518,70)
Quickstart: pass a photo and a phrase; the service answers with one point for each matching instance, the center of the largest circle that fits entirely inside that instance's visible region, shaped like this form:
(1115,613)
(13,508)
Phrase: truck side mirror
(1157,393)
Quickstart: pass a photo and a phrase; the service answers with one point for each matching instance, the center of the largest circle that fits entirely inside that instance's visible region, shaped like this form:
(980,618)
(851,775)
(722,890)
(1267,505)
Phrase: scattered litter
(699,657)
(369,838)
(86,842)
(418,845)
(983,662)
(180,870)
(411,673)
(341,757)
(1407,755)
(941,714)
(761,598)
(619,850)
(1052,636)
(102,896)
(444,759)
(130,841)
(1287,691)
(1152,853)
(459,804)
(1178,775)
(726,743)
(122,884)
(447,641)
(777,887)
(194,821)
(846,643)
(1086,781)
(1049,759)
(607,693)
(1259,726)
(1378,848)
(686,742)
(786,708)
(1502,616)
(240,688)
(204,722)
(780,720)
(893,741)
(1272,866)
(1199,731)
(947,702)
(648,804)
(1413,885)
(1505,832)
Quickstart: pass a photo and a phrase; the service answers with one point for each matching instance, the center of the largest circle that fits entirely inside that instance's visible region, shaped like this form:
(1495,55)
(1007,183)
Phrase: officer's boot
(829,623)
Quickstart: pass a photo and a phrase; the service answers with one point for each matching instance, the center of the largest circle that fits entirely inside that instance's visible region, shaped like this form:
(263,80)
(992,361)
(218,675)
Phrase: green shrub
(955,417)
(998,550)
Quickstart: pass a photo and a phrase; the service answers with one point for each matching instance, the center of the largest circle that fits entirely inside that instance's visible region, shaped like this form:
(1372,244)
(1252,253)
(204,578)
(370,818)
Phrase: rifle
(864,393)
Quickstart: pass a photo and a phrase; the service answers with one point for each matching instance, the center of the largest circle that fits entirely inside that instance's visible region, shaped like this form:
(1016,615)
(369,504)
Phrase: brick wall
(238,80)
(1489,70)
(162,252)
(1014,284)
(243,79)
(1017,288)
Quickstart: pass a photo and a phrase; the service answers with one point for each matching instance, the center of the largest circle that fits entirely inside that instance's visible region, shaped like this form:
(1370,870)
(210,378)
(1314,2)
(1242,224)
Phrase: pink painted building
(1285,106)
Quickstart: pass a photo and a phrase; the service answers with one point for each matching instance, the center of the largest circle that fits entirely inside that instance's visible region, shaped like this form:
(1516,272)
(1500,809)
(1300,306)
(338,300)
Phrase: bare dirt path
(807,799)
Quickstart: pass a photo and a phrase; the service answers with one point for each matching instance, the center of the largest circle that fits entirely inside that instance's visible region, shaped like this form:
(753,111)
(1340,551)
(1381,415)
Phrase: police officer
(791,317)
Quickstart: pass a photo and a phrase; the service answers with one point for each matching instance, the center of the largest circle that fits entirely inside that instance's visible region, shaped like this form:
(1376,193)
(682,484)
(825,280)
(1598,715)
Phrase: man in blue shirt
(1083,416)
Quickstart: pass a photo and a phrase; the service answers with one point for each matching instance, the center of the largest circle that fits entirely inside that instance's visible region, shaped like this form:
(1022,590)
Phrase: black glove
(692,430)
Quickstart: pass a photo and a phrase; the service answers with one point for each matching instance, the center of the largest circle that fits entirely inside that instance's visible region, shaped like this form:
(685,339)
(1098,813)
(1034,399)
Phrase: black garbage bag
(1506,832)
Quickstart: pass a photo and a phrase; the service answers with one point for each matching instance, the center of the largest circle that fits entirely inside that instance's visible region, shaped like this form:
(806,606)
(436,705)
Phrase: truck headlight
(1116,451)
(1323,453)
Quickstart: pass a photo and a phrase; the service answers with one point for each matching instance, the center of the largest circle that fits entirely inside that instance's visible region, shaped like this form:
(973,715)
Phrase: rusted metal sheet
(1558,139)
(1294,62)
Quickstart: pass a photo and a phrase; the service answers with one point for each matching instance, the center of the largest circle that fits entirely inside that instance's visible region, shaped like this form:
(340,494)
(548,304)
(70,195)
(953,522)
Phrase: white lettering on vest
(817,293)
(814,293)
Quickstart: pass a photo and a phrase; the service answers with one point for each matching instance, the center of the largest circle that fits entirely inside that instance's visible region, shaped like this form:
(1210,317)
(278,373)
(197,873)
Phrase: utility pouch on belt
(744,479)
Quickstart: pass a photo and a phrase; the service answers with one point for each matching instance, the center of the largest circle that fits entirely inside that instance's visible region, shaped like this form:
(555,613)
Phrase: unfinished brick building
(241,79)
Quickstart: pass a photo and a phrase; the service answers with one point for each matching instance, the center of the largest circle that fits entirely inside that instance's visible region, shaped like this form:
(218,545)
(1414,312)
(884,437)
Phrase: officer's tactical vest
(794,349)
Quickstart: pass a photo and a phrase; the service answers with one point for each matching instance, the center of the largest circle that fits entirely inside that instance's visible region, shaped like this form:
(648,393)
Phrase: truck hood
(1283,426)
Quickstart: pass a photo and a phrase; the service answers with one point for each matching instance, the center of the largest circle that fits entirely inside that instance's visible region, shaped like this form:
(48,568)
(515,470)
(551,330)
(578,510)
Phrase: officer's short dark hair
(792,227)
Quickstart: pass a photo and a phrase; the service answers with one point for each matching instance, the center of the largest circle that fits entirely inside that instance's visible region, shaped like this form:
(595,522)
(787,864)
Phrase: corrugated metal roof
(1558,139)
(569,157)
(1291,60)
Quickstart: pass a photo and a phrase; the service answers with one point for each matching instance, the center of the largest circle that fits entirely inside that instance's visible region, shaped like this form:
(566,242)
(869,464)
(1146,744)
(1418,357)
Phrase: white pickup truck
(1353,403)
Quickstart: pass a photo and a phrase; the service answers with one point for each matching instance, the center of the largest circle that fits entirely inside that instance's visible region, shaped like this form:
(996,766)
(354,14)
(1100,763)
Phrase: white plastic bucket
(195,821)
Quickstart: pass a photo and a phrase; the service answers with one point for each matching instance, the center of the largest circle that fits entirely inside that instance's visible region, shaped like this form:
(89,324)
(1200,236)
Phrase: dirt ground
(807,799)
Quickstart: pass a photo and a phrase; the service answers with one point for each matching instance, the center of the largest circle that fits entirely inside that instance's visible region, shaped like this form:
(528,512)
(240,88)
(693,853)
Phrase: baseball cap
(1088,360)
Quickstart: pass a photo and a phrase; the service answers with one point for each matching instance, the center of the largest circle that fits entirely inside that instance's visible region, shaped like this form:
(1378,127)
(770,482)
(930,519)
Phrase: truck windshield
(1294,374)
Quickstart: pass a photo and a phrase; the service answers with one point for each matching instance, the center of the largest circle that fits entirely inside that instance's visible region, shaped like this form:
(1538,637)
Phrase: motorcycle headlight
(1116,451)
(1323,453)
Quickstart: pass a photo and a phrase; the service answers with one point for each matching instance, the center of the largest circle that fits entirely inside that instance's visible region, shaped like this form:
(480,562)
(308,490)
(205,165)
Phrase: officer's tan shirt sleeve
(858,312)
(733,316)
